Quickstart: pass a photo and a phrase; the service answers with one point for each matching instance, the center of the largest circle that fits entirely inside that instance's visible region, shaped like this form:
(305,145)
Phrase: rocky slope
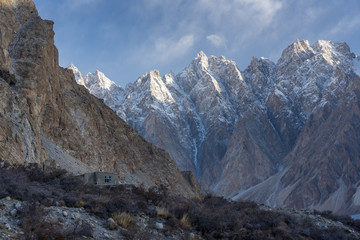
(283,133)
(46,118)
(34,205)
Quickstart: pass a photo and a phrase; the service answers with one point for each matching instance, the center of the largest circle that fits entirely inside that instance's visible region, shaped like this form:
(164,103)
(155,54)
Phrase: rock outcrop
(43,110)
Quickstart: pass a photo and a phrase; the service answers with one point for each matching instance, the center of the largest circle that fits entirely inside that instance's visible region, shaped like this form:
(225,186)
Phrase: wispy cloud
(237,21)
(183,27)
(216,40)
(313,13)
(166,50)
(346,25)
(227,13)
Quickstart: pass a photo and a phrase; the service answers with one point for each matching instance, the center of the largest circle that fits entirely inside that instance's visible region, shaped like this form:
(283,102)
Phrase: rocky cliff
(283,133)
(46,118)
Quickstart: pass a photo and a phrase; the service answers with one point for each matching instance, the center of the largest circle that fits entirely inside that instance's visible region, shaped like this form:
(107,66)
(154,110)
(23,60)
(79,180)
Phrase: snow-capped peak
(147,78)
(100,86)
(296,53)
(202,61)
(300,46)
(326,49)
(156,85)
(98,78)
(169,78)
(79,79)
(201,54)
(323,45)
(73,67)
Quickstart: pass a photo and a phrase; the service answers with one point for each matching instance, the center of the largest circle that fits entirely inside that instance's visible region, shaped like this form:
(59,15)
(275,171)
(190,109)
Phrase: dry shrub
(123,219)
(80,204)
(112,225)
(185,221)
(163,212)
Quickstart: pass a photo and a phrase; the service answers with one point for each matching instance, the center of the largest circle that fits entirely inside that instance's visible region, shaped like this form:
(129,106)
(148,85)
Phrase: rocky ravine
(283,133)
(46,118)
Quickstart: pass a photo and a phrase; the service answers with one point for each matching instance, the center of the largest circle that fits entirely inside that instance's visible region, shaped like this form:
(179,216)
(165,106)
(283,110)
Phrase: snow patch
(356,65)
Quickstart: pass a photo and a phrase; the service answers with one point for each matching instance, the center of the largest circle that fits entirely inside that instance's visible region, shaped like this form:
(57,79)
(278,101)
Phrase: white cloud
(240,11)
(234,21)
(167,49)
(239,20)
(346,25)
(265,9)
(216,40)
(314,13)
(226,24)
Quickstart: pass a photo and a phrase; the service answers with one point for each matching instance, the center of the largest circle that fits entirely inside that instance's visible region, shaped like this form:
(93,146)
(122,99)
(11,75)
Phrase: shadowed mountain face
(283,133)
(45,117)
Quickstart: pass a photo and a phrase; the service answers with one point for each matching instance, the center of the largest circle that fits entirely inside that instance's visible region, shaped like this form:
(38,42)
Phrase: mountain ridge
(237,129)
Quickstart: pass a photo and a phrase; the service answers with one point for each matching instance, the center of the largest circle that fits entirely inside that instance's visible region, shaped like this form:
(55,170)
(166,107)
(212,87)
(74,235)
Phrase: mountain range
(284,134)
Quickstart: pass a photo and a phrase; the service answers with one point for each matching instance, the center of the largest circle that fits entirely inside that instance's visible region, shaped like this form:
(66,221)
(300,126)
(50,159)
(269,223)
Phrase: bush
(112,224)
(123,219)
(163,212)
(185,221)
(80,204)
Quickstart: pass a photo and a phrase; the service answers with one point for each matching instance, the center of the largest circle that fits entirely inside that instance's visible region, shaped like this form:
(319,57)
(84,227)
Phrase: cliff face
(18,138)
(44,111)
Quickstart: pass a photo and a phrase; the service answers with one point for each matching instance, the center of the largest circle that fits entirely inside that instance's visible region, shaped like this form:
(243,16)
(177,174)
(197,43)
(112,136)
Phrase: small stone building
(101,178)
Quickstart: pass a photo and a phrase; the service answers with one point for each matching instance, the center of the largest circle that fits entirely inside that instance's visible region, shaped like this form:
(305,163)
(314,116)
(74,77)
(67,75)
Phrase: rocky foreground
(38,205)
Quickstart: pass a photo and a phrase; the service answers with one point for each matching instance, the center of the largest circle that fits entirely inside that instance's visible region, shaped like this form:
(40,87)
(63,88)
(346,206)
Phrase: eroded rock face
(19,140)
(40,100)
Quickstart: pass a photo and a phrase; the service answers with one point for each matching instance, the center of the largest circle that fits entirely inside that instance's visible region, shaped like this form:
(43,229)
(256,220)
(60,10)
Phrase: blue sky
(126,38)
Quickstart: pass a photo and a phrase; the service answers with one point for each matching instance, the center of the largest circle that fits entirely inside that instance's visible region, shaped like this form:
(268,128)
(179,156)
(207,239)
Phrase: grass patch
(163,212)
(80,204)
(123,219)
(185,221)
